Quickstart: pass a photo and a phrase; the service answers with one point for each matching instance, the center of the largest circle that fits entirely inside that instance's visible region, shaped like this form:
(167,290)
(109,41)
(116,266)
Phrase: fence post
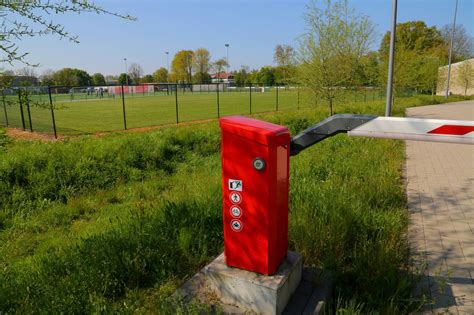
(21,109)
(176,99)
(28,109)
(250,98)
(5,108)
(52,112)
(123,110)
(276,97)
(298,102)
(218,105)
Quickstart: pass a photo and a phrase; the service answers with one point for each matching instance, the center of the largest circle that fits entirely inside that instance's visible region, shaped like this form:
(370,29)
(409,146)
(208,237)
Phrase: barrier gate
(255,175)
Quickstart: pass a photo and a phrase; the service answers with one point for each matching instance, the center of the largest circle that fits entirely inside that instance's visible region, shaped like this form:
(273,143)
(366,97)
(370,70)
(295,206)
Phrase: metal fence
(76,110)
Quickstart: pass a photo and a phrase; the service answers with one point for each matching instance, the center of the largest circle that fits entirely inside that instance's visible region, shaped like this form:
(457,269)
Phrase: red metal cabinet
(255,173)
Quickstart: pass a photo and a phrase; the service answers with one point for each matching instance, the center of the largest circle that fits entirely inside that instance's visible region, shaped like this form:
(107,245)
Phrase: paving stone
(440,194)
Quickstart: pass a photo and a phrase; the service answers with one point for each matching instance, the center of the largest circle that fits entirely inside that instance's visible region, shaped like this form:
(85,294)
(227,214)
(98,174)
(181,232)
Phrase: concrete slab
(234,291)
(252,291)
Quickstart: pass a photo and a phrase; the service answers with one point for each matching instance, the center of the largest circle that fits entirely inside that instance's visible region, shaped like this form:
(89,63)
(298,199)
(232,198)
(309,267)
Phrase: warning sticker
(235,184)
(235,211)
(235,197)
(236,225)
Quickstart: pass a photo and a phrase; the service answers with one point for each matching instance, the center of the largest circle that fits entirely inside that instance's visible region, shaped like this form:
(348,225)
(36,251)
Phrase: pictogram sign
(235,184)
(235,198)
(236,225)
(235,211)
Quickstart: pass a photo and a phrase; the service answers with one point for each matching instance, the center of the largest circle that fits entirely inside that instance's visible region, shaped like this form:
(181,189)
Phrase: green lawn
(92,115)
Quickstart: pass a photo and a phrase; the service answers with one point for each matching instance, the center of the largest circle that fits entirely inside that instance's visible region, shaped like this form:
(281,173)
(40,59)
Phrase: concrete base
(252,291)
(244,291)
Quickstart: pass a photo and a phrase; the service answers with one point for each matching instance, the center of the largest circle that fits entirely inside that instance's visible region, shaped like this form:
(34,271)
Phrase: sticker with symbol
(236,225)
(235,197)
(235,211)
(235,184)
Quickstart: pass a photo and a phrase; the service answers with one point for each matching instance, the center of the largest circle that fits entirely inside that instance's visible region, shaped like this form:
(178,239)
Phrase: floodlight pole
(126,70)
(451,50)
(167,65)
(388,102)
(227,48)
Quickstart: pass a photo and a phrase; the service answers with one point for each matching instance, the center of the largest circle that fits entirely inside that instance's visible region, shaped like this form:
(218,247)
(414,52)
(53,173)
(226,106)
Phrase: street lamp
(391,60)
(126,70)
(227,48)
(451,50)
(167,60)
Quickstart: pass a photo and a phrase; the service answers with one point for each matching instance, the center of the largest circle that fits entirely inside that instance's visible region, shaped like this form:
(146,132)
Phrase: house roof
(222,75)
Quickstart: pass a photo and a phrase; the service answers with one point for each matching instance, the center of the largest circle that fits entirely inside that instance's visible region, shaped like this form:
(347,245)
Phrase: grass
(87,116)
(115,224)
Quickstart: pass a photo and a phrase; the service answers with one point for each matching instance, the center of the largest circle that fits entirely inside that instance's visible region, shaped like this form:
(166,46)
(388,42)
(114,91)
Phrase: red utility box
(255,173)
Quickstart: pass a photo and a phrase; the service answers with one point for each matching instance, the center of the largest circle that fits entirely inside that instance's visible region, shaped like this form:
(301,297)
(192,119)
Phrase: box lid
(256,130)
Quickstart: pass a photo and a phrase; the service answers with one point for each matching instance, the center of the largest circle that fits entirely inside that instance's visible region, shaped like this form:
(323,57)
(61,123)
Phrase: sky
(252,28)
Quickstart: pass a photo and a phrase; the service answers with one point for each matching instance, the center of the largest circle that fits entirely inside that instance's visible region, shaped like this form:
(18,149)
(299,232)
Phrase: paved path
(440,188)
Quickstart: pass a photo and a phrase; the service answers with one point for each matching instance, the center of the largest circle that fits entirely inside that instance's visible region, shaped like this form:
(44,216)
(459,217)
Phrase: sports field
(79,114)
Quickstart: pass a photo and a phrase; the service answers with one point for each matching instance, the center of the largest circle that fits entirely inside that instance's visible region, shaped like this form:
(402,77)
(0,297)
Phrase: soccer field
(87,116)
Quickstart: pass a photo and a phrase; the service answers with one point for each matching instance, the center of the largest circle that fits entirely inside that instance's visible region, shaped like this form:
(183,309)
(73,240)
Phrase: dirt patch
(145,129)
(20,134)
(28,135)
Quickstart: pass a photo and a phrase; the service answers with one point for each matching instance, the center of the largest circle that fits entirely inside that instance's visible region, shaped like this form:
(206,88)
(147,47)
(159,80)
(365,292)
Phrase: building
(461,81)
(223,77)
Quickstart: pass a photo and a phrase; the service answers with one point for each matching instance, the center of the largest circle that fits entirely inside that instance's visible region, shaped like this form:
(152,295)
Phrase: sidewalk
(440,189)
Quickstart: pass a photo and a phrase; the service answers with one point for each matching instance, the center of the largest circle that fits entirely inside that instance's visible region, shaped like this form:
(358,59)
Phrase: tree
(161,75)
(47,77)
(201,78)
(413,36)
(111,79)
(27,72)
(220,64)
(420,50)
(241,77)
(135,71)
(148,79)
(330,51)
(26,76)
(428,70)
(122,79)
(284,56)
(465,75)
(368,70)
(22,19)
(6,79)
(201,64)
(182,66)
(98,79)
(405,70)
(463,43)
(72,77)
(266,76)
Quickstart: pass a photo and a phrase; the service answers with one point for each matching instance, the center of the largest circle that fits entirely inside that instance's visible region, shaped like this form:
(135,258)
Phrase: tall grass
(115,224)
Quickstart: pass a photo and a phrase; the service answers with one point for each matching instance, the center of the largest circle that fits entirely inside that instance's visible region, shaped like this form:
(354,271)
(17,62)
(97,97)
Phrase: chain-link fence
(76,110)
